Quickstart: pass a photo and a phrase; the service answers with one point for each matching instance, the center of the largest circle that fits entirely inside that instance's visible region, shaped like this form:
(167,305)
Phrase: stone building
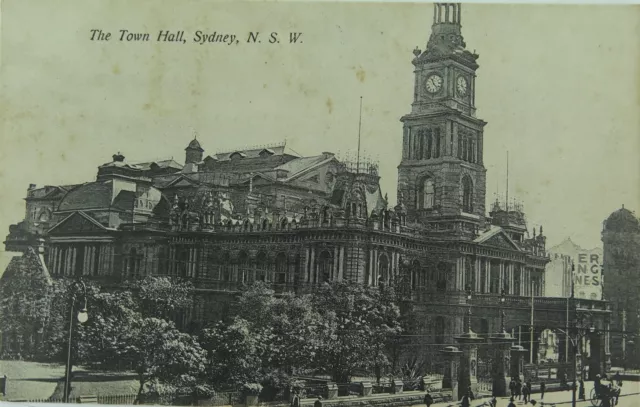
(264,213)
(621,240)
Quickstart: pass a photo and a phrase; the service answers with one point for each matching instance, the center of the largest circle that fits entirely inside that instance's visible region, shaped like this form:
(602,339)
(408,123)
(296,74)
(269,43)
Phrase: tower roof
(194,145)
(446,39)
(622,220)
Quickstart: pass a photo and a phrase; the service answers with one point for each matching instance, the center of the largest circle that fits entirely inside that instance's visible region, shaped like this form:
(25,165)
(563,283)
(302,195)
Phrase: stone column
(452,362)
(468,342)
(501,344)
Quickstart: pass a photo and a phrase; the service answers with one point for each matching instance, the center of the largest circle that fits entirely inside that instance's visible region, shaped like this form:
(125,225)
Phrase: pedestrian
(428,400)
(466,401)
(525,393)
(470,393)
(581,395)
(543,387)
(493,402)
(518,389)
(511,403)
(512,387)
(295,402)
(318,402)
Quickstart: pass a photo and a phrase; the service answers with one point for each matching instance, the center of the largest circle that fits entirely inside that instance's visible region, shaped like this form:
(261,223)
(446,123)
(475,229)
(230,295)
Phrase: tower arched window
(428,193)
(467,195)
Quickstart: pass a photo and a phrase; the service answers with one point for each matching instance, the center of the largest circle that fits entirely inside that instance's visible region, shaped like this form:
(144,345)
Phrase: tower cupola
(194,152)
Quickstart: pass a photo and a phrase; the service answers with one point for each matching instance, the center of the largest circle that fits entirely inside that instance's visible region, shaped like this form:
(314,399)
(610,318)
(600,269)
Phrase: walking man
(428,400)
(525,393)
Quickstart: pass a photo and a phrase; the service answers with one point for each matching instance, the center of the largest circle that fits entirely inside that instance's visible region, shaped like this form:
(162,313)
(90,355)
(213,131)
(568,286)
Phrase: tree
(269,338)
(234,353)
(26,295)
(158,352)
(162,297)
(357,323)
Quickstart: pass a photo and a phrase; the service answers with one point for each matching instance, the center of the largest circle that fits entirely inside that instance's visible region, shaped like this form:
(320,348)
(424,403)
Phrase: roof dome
(194,145)
(622,220)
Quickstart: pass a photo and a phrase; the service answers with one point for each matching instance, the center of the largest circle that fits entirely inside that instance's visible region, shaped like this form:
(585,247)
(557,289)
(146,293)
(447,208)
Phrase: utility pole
(531,334)
(624,338)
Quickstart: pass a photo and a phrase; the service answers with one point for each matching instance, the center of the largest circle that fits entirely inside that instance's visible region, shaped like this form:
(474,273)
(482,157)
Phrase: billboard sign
(587,276)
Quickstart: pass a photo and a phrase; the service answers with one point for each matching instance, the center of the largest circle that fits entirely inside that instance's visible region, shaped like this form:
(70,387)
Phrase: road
(630,397)
(563,398)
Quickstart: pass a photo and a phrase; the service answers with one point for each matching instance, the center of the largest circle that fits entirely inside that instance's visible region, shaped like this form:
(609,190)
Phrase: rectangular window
(436,137)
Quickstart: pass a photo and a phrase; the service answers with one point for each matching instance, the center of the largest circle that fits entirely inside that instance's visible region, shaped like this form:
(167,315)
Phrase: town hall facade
(230,218)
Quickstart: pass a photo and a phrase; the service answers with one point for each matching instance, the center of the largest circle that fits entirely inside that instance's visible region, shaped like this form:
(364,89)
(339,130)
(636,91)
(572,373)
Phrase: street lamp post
(82,317)
(574,344)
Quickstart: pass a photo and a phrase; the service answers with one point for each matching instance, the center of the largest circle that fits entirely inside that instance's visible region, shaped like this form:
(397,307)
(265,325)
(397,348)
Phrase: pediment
(502,241)
(182,182)
(77,222)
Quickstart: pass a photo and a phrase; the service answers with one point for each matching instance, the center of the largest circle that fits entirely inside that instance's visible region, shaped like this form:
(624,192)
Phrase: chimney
(31,187)
(118,157)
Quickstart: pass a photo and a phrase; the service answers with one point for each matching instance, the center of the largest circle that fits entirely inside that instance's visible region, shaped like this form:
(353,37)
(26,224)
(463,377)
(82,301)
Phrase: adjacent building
(621,240)
(574,271)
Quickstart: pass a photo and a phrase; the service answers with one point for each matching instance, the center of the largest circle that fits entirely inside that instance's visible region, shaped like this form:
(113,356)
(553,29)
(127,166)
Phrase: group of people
(522,391)
(607,392)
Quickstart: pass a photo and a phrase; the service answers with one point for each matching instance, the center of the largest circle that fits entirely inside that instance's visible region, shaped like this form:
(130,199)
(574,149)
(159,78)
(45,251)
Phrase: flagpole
(359,129)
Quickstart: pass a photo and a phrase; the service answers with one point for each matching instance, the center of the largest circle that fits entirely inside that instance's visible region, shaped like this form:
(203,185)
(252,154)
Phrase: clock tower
(441,177)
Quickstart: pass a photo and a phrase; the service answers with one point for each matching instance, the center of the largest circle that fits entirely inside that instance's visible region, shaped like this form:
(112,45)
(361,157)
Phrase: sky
(558,85)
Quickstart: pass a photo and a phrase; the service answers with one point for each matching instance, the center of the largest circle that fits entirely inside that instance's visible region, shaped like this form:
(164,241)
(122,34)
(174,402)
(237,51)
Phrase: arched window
(467,195)
(415,274)
(243,267)
(265,224)
(324,267)
(439,330)
(134,263)
(261,267)
(225,268)
(441,284)
(281,268)
(383,266)
(283,223)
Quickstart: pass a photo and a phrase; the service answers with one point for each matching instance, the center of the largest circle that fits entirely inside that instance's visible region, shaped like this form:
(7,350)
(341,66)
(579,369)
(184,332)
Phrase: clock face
(433,83)
(462,86)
